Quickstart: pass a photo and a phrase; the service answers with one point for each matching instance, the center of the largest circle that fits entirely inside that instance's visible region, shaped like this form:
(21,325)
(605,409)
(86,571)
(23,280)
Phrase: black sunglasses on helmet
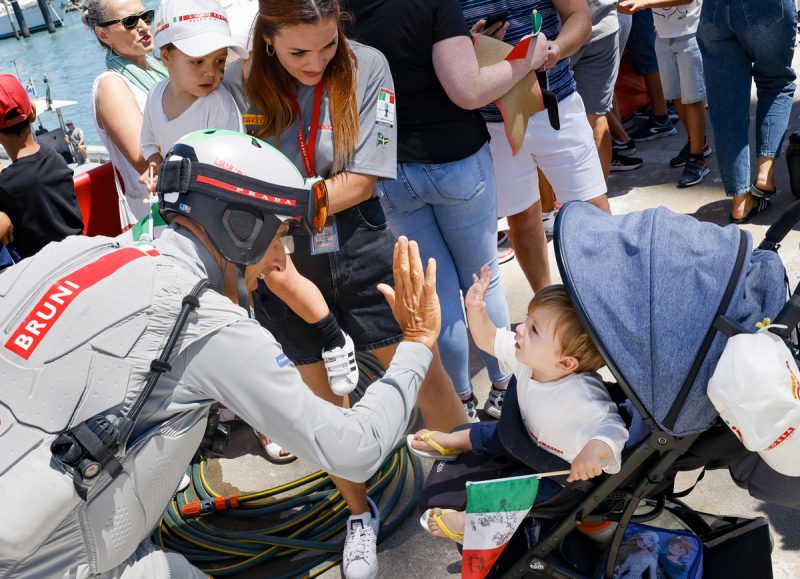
(131,21)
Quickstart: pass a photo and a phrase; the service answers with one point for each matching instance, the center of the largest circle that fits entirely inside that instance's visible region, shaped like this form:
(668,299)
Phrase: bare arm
(632,6)
(6,228)
(470,86)
(347,189)
(576,28)
(118,115)
(481,327)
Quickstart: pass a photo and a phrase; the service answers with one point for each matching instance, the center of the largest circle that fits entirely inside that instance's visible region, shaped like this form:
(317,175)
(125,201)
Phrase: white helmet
(239,189)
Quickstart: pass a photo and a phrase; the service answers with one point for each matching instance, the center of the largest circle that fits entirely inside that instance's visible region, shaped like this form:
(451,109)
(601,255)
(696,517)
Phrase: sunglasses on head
(131,21)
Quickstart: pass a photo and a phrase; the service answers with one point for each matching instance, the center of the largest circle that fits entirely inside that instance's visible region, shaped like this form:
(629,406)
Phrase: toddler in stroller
(554,362)
(659,293)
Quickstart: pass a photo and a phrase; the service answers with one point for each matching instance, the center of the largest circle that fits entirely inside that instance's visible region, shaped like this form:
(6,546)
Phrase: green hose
(309,513)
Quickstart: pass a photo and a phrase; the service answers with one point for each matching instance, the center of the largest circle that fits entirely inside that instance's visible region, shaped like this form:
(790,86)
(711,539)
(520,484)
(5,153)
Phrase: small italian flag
(386,96)
(494,511)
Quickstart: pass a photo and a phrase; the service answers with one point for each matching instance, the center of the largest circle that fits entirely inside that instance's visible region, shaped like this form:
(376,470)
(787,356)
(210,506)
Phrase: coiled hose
(304,514)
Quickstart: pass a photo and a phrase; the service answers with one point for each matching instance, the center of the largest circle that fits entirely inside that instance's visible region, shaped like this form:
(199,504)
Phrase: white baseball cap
(756,391)
(195,27)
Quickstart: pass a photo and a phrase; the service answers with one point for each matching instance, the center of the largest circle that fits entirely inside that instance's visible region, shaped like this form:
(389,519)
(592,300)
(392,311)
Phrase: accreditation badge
(327,240)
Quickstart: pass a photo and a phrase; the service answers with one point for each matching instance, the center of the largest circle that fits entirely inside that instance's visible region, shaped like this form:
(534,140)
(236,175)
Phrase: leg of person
(691,107)
(408,204)
(469,229)
(546,193)
(305,299)
(568,157)
(518,200)
(437,401)
(152,561)
(774,78)
(595,71)
(727,68)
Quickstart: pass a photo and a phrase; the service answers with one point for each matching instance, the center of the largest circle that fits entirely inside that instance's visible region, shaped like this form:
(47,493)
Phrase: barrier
(97,197)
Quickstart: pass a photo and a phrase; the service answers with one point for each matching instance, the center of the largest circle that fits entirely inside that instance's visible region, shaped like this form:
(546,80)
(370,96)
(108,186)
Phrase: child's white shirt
(218,110)
(677,21)
(563,415)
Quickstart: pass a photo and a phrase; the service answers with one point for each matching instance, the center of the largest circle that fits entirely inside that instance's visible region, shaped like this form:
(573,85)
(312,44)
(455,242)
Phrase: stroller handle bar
(789,315)
(778,230)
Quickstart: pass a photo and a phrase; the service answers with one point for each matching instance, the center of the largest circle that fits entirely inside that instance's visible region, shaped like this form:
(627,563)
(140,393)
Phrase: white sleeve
(609,428)
(506,353)
(243,367)
(147,141)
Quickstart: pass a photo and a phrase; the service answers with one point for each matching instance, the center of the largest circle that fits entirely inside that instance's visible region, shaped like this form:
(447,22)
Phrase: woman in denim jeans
(444,196)
(740,41)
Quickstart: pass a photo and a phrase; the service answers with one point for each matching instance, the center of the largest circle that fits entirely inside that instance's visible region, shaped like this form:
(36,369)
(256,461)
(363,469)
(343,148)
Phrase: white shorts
(567,157)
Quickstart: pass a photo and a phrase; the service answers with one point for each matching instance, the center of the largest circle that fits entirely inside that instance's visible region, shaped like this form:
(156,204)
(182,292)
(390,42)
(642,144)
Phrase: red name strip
(247,192)
(30,333)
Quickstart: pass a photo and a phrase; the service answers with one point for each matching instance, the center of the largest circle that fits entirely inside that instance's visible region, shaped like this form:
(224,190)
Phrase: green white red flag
(494,511)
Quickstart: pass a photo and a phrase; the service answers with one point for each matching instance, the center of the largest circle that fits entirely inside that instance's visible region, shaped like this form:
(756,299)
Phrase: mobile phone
(497,17)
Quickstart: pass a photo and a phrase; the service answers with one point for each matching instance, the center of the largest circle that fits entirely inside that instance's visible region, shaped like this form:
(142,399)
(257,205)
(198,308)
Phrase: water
(71,58)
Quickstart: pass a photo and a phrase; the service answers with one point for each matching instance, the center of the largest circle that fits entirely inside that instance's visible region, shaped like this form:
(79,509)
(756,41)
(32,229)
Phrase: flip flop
(761,205)
(273,451)
(439,452)
(437,517)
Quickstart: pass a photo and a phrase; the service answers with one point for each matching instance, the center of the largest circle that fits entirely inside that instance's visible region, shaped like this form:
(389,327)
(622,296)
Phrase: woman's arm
(347,189)
(118,115)
(470,86)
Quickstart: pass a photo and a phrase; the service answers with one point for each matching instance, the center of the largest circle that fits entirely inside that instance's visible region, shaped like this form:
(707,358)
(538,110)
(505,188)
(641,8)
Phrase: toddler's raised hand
(474,299)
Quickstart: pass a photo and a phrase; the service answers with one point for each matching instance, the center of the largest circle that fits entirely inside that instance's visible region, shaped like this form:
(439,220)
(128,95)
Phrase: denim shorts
(641,42)
(348,279)
(680,66)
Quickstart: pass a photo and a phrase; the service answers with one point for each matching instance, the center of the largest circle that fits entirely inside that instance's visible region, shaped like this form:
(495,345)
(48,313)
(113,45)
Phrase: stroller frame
(541,560)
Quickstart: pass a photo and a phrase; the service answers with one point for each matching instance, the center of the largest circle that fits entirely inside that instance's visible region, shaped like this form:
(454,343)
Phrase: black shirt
(430,127)
(37,194)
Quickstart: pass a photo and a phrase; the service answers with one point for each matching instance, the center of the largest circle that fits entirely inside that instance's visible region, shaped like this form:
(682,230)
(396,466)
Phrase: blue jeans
(450,210)
(742,40)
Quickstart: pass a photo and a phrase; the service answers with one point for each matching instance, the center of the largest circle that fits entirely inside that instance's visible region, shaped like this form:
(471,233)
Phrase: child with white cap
(193,37)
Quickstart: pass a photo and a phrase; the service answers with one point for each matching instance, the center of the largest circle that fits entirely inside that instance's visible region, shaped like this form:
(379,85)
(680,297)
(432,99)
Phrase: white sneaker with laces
(340,363)
(360,557)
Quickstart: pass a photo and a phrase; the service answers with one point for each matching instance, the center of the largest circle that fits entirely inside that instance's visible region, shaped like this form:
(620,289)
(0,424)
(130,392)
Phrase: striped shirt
(519,17)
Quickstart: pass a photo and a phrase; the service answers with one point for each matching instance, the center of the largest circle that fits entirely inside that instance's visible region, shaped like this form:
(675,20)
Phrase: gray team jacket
(79,324)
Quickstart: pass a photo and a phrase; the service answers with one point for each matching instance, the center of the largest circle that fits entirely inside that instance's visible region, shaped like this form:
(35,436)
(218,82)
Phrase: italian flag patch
(494,511)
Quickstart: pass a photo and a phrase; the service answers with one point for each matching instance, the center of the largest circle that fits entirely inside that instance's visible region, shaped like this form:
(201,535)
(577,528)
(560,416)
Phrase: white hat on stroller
(755,390)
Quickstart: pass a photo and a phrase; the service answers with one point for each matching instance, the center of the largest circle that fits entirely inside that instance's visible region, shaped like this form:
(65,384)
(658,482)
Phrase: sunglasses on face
(131,21)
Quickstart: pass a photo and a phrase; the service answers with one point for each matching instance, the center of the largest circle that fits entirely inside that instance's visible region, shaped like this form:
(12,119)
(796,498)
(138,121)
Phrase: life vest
(80,323)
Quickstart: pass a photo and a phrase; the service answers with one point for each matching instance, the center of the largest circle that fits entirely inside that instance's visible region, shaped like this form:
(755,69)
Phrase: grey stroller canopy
(649,286)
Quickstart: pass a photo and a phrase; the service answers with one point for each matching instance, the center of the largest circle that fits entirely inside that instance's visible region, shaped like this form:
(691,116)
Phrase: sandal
(273,450)
(438,453)
(437,517)
(761,205)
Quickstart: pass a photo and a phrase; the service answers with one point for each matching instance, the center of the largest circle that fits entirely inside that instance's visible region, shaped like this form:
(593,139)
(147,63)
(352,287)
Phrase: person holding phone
(444,196)
(568,157)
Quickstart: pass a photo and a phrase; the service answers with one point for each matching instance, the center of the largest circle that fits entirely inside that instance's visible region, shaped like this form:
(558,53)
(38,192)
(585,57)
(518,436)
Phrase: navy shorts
(642,43)
(348,279)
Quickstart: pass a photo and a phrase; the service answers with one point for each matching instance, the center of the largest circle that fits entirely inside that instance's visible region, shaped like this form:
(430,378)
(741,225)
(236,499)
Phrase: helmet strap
(241,288)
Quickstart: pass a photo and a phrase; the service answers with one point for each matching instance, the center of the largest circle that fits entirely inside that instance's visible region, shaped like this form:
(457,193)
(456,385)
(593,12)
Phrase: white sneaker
(340,363)
(360,557)
(549,221)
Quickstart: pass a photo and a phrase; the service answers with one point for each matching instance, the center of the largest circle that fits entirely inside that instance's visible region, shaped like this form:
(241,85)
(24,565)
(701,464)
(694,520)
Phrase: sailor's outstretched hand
(413,299)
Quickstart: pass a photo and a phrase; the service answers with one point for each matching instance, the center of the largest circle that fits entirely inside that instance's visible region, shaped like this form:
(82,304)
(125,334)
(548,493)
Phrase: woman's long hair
(270,88)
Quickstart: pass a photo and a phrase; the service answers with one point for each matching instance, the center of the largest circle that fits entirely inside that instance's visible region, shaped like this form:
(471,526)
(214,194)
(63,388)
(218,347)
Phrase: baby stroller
(660,293)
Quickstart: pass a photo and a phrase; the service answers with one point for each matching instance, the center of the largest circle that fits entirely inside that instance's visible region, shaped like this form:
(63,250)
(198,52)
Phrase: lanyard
(307,150)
